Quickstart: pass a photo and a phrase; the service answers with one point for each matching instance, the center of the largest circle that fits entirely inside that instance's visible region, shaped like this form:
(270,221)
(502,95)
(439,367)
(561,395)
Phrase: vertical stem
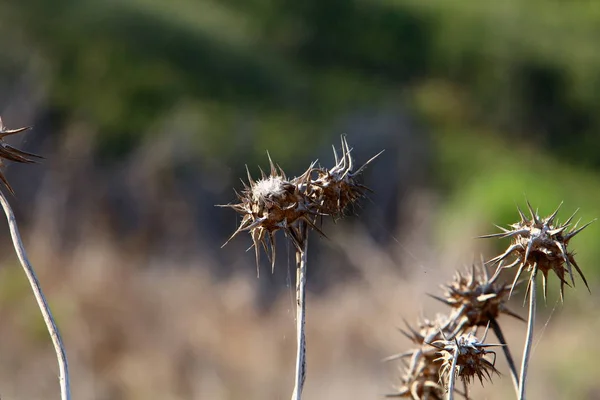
(509,359)
(301,258)
(65,388)
(529,340)
(452,377)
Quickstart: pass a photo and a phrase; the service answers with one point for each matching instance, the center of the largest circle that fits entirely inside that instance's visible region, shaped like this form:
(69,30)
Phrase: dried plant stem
(529,340)
(511,362)
(452,376)
(301,258)
(61,355)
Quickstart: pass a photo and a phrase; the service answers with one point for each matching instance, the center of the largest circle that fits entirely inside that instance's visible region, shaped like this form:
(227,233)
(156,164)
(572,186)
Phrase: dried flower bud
(270,204)
(8,152)
(468,354)
(539,244)
(420,379)
(335,189)
(475,298)
(422,383)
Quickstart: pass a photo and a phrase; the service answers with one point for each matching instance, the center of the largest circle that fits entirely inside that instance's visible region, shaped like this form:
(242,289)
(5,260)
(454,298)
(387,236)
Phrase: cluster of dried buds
(448,343)
(448,348)
(275,203)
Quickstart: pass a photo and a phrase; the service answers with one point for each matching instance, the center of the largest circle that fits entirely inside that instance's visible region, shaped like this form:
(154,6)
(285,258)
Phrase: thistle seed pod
(541,244)
(335,189)
(8,152)
(475,298)
(467,353)
(420,379)
(422,383)
(273,203)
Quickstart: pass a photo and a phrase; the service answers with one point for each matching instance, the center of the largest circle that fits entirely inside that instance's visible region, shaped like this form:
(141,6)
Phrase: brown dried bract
(540,244)
(8,152)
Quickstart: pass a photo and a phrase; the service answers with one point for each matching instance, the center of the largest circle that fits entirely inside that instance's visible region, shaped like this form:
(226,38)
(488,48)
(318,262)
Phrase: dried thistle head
(421,383)
(540,244)
(275,203)
(420,379)
(270,204)
(476,298)
(8,152)
(428,330)
(467,353)
(335,189)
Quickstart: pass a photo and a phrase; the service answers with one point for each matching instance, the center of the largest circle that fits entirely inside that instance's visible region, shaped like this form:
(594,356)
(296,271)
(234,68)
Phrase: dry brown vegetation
(146,323)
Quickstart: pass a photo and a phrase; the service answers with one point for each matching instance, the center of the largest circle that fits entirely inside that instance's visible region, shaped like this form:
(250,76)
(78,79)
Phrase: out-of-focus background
(147,111)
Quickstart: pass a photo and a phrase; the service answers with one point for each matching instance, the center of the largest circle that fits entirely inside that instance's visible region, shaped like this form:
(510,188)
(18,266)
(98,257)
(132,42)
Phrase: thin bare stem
(452,377)
(529,340)
(301,258)
(65,388)
(511,362)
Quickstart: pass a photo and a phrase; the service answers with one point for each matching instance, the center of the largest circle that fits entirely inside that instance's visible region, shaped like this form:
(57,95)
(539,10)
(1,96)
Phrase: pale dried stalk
(301,258)
(65,387)
(452,377)
(529,340)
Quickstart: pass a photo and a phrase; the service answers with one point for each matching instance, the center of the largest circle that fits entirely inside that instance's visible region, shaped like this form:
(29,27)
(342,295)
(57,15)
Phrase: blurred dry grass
(150,307)
(141,328)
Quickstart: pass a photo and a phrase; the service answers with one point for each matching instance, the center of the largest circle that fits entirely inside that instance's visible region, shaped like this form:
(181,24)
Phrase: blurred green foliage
(530,68)
(509,90)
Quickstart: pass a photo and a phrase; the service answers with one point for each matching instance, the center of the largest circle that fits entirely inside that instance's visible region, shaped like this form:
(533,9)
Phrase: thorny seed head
(428,330)
(8,152)
(335,189)
(420,378)
(422,383)
(476,298)
(275,203)
(270,204)
(541,244)
(469,353)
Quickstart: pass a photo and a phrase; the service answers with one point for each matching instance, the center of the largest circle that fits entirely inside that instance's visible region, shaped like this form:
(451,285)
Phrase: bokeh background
(147,111)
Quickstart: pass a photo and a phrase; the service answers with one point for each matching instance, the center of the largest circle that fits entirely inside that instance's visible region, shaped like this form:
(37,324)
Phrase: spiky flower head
(540,244)
(464,356)
(8,152)
(273,203)
(420,378)
(421,383)
(334,189)
(476,298)
(428,330)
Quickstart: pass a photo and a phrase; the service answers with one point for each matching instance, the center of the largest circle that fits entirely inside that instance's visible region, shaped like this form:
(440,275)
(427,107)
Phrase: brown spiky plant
(464,357)
(275,203)
(421,375)
(476,300)
(539,245)
(10,153)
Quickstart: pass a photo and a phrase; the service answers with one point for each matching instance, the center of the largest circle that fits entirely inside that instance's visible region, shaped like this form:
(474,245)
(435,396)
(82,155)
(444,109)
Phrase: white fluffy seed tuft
(268,187)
